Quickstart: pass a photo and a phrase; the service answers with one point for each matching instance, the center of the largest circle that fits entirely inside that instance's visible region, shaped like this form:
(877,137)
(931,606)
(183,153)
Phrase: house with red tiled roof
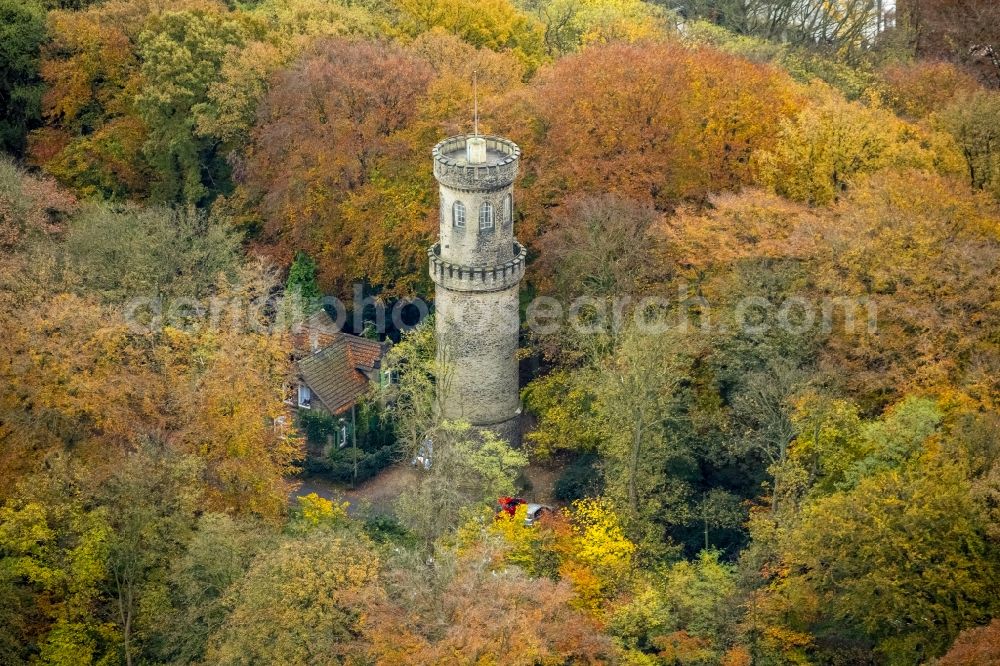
(333,369)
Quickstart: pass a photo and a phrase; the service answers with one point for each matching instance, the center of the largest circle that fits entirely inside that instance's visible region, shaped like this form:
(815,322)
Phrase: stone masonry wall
(477,345)
(470,245)
(477,275)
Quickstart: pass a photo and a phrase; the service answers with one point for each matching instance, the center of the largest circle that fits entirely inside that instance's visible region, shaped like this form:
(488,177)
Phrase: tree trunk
(633,493)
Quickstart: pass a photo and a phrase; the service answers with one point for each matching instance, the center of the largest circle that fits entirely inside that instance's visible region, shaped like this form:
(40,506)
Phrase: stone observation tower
(477,266)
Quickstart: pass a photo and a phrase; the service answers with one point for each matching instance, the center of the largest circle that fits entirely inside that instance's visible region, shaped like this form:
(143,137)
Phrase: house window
(507,212)
(305,397)
(458,214)
(486,216)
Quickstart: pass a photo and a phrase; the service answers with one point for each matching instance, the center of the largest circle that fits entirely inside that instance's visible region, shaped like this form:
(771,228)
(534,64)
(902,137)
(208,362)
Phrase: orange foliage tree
(477,610)
(924,249)
(656,122)
(77,377)
(736,227)
(585,547)
(911,250)
(979,645)
(338,164)
(325,163)
(93,138)
(920,88)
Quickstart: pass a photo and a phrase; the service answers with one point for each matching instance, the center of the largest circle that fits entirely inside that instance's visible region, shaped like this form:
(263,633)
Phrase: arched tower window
(458,214)
(506,213)
(486,216)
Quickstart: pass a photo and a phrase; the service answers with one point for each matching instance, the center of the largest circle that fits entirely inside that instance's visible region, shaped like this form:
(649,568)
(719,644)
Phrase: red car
(508,505)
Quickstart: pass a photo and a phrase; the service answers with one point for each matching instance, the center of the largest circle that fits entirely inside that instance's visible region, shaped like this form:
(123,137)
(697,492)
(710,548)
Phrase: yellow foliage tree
(831,141)
(596,557)
(313,511)
(525,544)
(571,24)
(493,24)
(585,545)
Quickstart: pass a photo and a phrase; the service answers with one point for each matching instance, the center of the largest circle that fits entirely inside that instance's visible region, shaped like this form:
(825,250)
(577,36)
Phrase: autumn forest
(802,468)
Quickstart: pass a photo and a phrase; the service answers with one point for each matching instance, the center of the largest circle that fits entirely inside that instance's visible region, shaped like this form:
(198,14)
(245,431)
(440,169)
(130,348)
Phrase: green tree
(301,283)
(413,398)
(54,552)
(301,603)
(182,54)
(900,559)
(838,449)
(278,31)
(846,27)
(974,121)
(468,471)
(216,557)
(564,401)
(122,252)
(640,390)
(22,31)
(803,63)
(688,608)
(151,500)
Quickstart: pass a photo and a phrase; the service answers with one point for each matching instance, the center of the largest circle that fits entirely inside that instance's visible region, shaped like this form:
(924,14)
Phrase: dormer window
(458,215)
(305,397)
(486,216)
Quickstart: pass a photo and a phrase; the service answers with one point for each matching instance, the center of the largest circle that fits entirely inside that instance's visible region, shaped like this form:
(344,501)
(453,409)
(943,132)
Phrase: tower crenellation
(452,167)
(477,266)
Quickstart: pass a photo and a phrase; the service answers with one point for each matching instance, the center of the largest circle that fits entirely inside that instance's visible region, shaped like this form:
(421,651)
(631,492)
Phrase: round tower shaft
(477,266)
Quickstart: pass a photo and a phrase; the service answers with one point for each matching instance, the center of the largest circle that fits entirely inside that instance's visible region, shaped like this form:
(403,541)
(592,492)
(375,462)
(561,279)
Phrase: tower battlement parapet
(453,169)
(477,278)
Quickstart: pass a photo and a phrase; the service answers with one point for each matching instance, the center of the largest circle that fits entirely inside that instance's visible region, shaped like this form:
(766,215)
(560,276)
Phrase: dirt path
(374,496)
(377,495)
(540,483)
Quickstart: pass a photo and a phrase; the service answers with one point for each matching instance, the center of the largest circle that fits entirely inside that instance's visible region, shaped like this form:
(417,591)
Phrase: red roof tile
(337,374)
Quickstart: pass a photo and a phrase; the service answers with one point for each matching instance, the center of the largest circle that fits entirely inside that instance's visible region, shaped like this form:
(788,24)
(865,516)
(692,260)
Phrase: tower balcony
(477,278)
(452,167)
